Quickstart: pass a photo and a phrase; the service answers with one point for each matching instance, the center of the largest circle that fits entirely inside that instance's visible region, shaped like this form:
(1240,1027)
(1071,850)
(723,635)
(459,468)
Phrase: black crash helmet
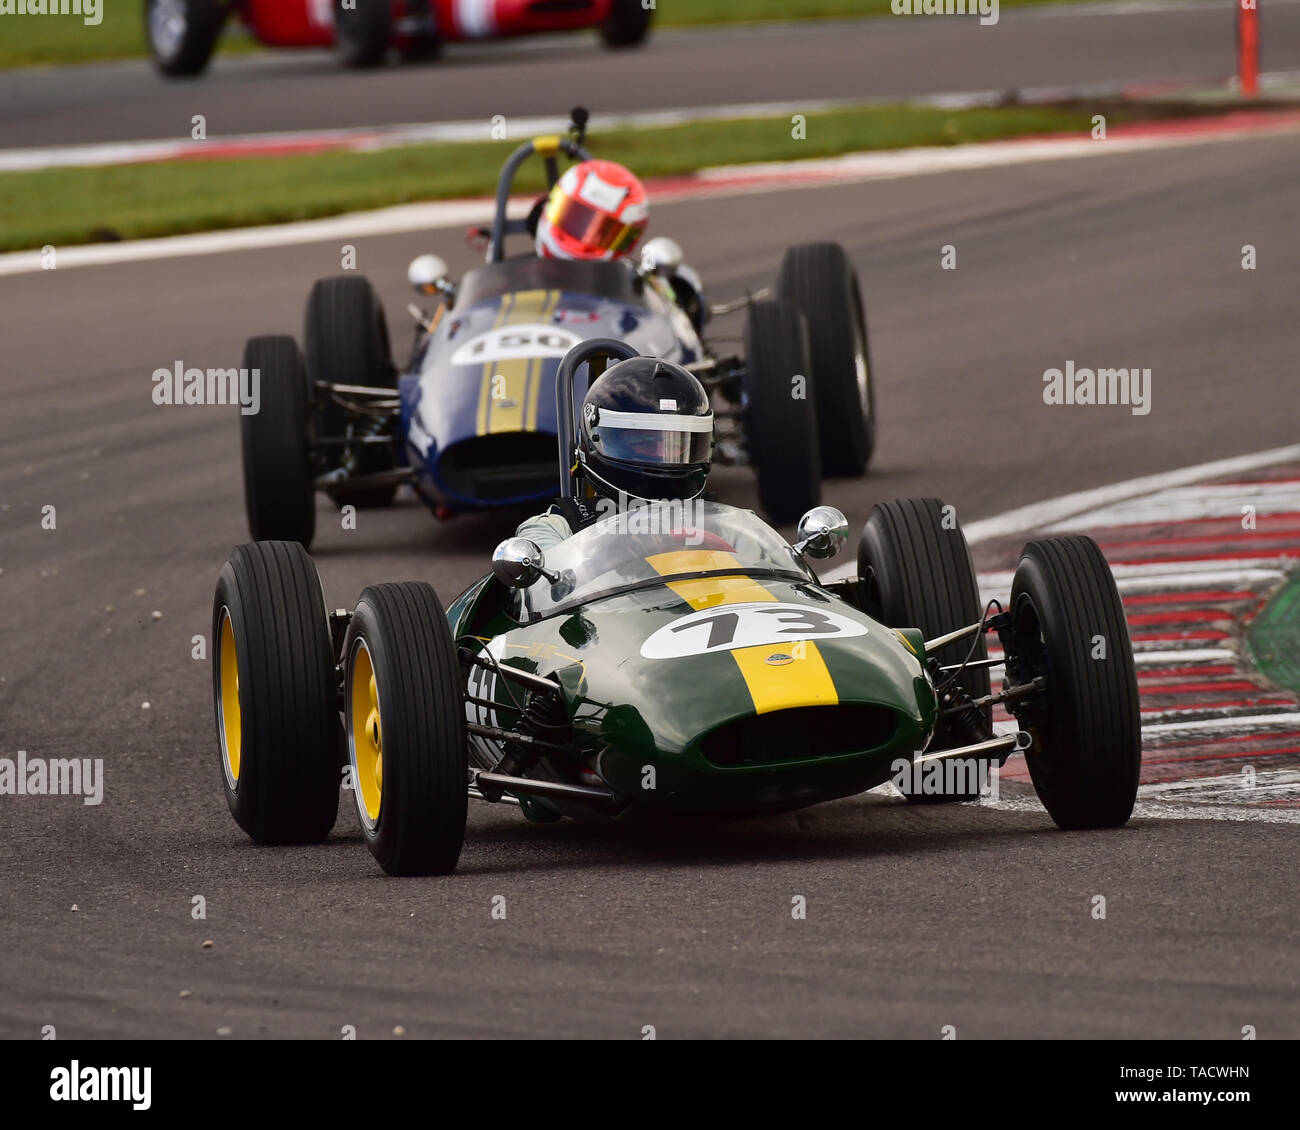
(646,431)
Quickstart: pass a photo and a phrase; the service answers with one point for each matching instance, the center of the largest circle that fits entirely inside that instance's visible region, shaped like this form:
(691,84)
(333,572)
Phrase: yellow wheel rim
(232,723)
(365,735)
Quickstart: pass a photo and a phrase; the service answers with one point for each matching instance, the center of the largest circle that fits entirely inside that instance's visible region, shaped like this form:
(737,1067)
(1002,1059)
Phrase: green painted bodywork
(1274,636)
(630,713)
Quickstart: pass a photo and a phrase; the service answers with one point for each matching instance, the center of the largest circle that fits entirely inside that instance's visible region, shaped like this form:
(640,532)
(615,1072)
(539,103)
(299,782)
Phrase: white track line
(988,154)
(1138,579)
(1265,781)
(1192,657)
(1188,569)
(1211,726)
(1159,575)
(725,181)
(1053,512)
(1171,810)
(355,225)
(1106,506)
(1187,713)
(391,136)
(1183,504)
(1172,582)
(1161,646)
(1041,515)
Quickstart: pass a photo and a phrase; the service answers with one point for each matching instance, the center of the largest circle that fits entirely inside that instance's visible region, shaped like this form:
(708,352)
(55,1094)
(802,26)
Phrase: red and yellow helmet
(597,210)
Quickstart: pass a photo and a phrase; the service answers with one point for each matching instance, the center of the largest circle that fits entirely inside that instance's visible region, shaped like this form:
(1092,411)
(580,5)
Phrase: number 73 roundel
(732,626)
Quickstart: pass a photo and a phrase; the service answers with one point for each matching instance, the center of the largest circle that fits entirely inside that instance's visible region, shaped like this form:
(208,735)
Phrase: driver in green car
(646,436)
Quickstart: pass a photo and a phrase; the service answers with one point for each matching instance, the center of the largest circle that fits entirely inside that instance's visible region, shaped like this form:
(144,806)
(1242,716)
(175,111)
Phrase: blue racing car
(470,421)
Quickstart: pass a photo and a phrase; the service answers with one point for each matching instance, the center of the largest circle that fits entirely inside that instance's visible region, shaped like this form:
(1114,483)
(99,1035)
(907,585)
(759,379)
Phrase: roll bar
(548,148)
(566,427)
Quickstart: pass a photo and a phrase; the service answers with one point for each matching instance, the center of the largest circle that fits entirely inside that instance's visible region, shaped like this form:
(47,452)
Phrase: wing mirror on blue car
(428,275)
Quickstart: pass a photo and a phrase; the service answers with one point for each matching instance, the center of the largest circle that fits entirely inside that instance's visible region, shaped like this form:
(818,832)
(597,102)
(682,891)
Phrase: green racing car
(679,662)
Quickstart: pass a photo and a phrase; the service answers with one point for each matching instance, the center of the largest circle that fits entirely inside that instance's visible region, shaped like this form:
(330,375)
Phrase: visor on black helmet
(652,438)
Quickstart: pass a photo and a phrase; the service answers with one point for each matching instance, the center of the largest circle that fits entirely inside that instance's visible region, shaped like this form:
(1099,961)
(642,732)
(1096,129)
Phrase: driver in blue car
(599,210)
(645,437)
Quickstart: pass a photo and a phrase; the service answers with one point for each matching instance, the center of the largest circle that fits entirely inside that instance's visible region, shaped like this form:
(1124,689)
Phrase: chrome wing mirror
(661,256)
(518,562)
(428,275)
(822,532)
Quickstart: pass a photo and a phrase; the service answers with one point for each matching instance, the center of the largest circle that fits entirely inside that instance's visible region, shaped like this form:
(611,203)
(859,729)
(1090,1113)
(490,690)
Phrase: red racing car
(182,34)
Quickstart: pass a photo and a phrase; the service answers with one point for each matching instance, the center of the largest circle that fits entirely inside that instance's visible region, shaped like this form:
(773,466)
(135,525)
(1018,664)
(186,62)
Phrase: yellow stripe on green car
(778,676)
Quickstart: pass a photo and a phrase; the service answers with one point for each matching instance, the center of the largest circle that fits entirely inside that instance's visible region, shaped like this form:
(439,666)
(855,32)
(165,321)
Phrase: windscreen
(655,542)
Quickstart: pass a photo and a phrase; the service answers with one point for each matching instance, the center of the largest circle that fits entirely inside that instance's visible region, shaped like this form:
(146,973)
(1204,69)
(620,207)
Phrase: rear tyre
(917,570)
(279,498)
(1070,627)
(275,695)
(421,49)
(345,336)
(362,32)
(182,34)
(781,421)
(819,279)
(405,728)
(424,44)
(627,24)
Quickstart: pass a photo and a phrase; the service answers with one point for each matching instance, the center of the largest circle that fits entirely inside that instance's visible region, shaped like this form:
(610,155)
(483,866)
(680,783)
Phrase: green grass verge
(30,40)
(1274,637)
(27,40)
(83,205)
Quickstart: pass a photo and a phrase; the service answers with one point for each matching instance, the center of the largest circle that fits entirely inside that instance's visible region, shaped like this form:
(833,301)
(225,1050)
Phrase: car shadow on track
(866,830)
(853,829)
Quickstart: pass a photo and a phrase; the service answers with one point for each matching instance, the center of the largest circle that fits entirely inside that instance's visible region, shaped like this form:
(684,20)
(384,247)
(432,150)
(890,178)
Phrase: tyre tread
(819,279)
(279,494)
(1088,776)
(288,787)
(408,635)
(782,431)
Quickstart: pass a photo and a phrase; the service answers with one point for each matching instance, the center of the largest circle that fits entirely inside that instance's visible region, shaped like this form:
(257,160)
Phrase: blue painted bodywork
(478,398)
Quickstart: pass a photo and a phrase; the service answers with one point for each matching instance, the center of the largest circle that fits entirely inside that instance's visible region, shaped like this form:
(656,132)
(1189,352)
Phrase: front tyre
(362,31)
(405,728)
(422,43)
(1070,627)
(274,694)
(421,49)
(780,416)
(626,25)
(345,339)
(182,34)
(918,572)
(279,495)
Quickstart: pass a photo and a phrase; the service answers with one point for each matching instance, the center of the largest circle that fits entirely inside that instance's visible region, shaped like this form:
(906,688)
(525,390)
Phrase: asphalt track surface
(917,917)
(1077,47)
